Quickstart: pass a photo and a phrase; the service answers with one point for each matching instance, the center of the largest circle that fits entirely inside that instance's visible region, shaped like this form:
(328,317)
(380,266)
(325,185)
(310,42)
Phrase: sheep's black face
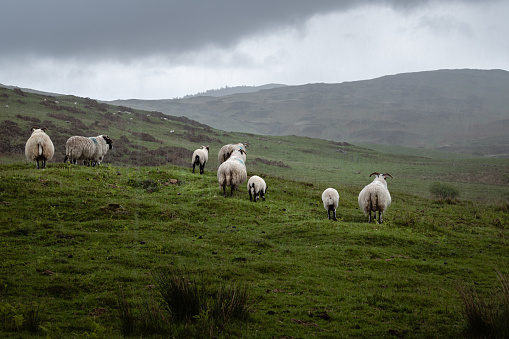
(108,141)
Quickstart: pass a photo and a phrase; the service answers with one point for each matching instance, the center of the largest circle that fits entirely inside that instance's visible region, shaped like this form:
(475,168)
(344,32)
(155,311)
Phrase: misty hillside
(461,110)
(234,90)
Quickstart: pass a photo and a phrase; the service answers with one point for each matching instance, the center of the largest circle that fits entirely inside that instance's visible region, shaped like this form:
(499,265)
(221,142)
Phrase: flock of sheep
(232,172)
(91,150)
(374,197)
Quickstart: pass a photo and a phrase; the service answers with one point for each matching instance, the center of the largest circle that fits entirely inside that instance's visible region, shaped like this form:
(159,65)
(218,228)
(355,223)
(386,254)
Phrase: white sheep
(200,157)
(226,151)
(257,188)
(39,147)
(330,198)
(90,150)
(232,172)
(375,196)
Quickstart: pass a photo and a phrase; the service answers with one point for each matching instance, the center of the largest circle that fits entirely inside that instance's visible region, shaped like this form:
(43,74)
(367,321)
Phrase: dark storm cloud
(122,29)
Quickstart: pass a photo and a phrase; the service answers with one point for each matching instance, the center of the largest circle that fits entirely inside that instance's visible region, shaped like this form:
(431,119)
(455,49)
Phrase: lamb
(375,196)
(232,172)
(330,198)
(91,149)
(256,187)
(200,157)
(226,151)
(39,147)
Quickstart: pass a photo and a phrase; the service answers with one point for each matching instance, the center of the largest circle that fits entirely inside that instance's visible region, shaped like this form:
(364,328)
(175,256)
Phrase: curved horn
(44,129)
(246,144)
(388,175)
(33,128)
(375,173)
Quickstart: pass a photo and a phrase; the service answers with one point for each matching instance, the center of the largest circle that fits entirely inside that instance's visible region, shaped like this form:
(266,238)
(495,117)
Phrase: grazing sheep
(39,147)
(226,151)
(256,187)
(330,198)
(232,172)
(104,143)
(91,150)
(200,157)
(375,196)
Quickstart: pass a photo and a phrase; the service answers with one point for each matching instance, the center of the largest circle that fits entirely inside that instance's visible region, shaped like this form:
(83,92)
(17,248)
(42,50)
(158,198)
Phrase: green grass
(70,236)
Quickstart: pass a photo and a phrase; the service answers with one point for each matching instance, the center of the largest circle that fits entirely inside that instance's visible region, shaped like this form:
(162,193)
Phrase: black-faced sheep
(90,150)
(375,196)
(232,172)
(330,199)
(39,147)
(257,188)
(226,151)
(200,158)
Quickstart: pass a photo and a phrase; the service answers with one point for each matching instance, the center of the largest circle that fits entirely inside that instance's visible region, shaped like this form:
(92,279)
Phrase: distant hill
(461,110)
(29,90)
(233,90)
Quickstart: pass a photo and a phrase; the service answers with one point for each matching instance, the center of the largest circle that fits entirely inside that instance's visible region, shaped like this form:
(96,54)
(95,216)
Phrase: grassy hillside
(457,110)
(84,248)
(73,238)
(143,138)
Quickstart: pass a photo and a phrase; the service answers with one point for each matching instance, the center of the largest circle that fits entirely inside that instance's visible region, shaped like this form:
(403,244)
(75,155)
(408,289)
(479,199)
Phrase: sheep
(375,196)
(226,151)
(39,147)
(330,198)
(91,150)
(200,157)
(256,187)
(232,172)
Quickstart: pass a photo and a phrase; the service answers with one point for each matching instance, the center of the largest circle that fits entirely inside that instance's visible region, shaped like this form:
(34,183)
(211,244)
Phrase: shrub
(443,191)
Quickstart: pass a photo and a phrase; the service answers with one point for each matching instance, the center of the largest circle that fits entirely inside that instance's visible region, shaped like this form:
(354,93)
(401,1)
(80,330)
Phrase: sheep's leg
(43,162)
(37,160)
(231,193)
(202,169)
(263,195)
(369,219)
(250,195)
(224,190)
(194,164)
(379,217)
(65,159)
(335,215)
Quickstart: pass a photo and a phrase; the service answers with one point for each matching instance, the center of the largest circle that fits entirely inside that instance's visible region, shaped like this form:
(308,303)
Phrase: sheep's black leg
(231,194)
(379,217)
(202,169)
(65,159)
(250,195)
(37,160)
(224,190)
(193,166)
(263,195)
(335,216)
(43,162)
(369,219)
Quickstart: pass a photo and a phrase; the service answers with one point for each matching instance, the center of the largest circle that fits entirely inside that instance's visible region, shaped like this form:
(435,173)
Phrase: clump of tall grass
(487,317)
(446,192)
(187,306)
(19,317)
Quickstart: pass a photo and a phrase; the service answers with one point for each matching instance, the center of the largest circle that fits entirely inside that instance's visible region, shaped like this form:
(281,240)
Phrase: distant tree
(443,191)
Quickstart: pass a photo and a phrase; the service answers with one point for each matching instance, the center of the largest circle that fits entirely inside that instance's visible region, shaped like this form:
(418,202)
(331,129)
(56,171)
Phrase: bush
(444,191)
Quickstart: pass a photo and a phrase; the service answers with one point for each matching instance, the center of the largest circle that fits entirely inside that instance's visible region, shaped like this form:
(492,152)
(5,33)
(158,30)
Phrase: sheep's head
(44,129)
(108,141)
(205,148)
(381,177)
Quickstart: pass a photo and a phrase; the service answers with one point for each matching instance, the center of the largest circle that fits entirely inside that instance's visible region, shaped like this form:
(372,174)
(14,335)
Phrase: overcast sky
(150,49)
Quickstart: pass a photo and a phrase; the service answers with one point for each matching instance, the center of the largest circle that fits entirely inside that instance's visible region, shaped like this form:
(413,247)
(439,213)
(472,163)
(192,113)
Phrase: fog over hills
(463,110)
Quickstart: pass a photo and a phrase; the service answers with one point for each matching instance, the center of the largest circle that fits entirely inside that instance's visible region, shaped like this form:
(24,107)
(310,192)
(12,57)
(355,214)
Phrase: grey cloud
(126,29)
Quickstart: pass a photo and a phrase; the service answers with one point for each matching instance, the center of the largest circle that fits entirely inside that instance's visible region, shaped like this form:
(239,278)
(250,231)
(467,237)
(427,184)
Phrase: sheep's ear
(387,174)
(375,173)
(33,129)
(246,144)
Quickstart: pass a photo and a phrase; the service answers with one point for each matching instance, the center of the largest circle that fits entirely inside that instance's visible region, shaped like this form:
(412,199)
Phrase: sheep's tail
(331,203)
(197,159)
(372,202)
(40,149)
